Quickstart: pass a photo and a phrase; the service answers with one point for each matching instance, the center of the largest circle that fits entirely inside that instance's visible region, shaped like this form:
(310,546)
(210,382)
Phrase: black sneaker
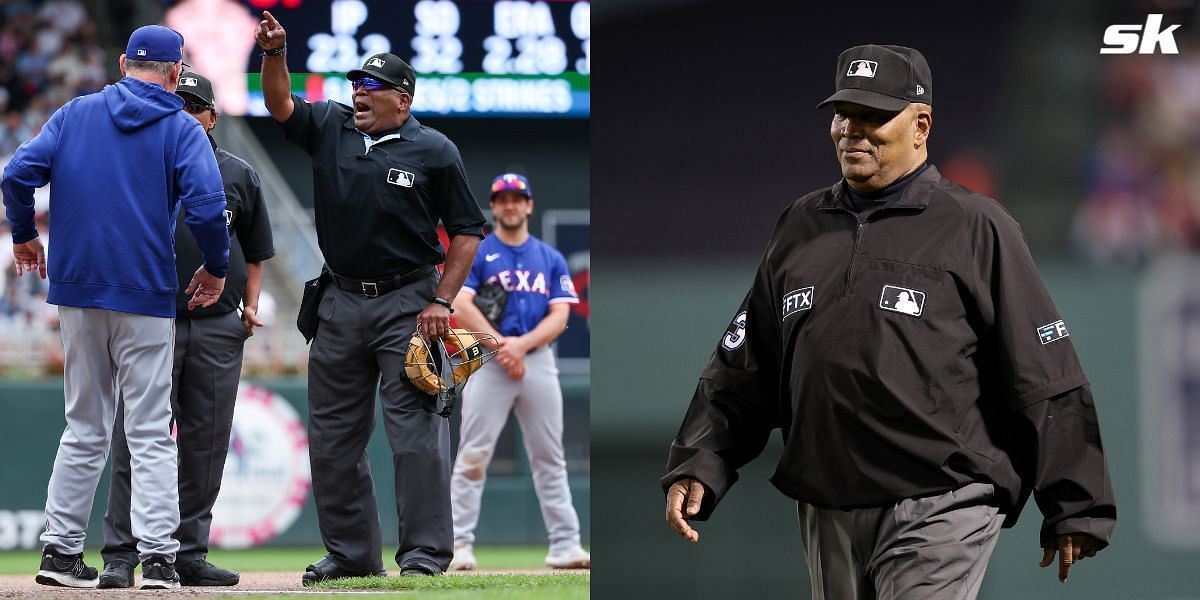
(117,574)
(201,572)
(158,574)
(65,570)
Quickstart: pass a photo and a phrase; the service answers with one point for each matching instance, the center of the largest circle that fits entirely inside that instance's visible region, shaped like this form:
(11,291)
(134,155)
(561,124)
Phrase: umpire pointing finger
(382,182)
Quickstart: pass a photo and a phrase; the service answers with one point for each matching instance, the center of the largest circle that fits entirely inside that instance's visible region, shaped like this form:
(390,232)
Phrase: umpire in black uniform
(899,334)
(207,367)
(382,181)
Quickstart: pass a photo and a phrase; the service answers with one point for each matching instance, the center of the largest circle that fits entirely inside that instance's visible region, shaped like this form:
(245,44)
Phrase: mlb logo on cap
(862,68)
(511,182)
(188,81)
(375,62)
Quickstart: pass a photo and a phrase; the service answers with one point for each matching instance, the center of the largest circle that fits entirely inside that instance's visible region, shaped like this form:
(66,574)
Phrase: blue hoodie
(119,162)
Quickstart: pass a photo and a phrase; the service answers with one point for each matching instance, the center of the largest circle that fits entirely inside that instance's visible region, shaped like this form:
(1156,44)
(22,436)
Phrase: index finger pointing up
(270,18)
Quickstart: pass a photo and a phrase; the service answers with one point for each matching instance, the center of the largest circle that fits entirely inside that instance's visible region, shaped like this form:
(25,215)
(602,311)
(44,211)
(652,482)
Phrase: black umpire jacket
(903,355)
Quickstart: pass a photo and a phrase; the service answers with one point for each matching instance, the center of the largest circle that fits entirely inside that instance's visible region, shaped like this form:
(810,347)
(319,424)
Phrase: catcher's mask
(461,355)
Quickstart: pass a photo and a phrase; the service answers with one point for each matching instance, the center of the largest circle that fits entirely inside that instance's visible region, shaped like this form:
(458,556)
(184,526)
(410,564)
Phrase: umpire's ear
(922,123)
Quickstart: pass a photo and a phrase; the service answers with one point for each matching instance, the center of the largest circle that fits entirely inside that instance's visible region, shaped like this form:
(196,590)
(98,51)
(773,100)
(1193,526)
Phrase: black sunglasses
(196,107)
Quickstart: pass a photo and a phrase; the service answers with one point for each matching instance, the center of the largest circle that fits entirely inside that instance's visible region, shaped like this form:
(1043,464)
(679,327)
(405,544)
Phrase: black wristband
(280,51)
(443,302)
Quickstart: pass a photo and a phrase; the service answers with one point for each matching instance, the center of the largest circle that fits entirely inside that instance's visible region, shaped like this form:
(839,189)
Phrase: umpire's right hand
(692,492)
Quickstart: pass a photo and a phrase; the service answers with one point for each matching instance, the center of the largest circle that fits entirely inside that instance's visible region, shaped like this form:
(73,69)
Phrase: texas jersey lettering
(534,274)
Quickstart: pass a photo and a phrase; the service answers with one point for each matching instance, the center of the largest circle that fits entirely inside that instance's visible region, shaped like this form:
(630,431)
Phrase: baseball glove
(490,299)
(462,356)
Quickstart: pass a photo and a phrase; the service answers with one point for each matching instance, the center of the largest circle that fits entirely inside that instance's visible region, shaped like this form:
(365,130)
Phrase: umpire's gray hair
(161,68)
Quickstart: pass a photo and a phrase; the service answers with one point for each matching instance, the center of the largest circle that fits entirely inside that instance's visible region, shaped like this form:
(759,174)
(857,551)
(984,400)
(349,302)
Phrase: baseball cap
(196,86)
(389,69)
(511,182)
(155,42)
(883,77)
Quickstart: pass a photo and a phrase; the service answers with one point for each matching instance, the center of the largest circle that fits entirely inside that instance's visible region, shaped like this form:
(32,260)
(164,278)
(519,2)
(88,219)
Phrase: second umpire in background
(207,367)
(381,183)
(899,334)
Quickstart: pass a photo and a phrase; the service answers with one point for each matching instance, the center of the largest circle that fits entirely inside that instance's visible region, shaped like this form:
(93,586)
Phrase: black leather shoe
(325,570)
(200,572)
(418,570)
(117,574)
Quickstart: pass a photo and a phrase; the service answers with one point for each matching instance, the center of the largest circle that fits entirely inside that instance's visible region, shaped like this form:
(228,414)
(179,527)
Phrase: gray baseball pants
(537,400)
(359,351)
(931,548)
(108,355)
(207,368)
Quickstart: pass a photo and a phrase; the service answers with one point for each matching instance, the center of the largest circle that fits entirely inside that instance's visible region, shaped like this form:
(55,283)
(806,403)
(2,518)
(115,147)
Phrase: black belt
(373,288)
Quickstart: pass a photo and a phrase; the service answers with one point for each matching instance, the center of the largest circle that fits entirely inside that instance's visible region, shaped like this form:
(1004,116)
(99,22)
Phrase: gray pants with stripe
(537,400)
(207,368)
(932,548)
(109,355)
(359,351)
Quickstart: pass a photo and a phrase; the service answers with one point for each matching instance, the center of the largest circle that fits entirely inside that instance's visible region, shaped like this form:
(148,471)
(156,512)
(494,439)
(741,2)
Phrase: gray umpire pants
(207,367)
(537,400)
(932,548)
(359,349)
(108,355)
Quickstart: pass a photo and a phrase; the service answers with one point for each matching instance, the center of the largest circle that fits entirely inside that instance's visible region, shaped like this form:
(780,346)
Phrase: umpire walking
(382,181)
(207,367)
(897,331)
(119,163)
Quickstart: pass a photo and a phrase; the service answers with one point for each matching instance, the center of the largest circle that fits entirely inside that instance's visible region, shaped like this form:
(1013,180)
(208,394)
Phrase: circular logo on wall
(267,475)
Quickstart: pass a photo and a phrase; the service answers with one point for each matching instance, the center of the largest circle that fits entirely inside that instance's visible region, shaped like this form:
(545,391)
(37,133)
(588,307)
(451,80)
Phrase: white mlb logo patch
(400,178)
(902,300)
(375,62)
(189,81)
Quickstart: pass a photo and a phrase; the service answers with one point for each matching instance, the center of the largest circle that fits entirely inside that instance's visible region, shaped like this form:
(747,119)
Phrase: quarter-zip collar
(915,194)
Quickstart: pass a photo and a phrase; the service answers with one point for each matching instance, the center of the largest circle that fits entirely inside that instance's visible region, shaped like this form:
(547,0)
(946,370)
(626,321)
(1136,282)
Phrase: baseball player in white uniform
(523,378)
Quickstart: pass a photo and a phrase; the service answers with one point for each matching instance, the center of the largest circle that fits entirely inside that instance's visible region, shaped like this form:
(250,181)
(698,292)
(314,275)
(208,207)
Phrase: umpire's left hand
(434,321)
(1072,548)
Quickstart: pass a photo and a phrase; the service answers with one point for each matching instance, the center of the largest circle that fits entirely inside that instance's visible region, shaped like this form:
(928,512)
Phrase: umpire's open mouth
(361,108)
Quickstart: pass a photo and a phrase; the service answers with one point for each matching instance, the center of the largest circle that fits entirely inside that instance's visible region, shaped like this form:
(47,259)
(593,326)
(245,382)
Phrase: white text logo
(1123,39)
(798,300)
(1054,331)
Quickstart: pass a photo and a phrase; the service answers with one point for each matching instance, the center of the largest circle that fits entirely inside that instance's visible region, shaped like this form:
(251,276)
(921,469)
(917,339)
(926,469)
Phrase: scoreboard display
(472,57)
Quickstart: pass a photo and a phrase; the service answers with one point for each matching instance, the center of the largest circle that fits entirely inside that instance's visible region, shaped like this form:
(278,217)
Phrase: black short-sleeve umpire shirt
(378,202)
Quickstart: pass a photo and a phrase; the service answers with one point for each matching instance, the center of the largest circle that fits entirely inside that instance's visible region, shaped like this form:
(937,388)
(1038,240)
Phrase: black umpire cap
(194,86)
(390,69)
(882,77)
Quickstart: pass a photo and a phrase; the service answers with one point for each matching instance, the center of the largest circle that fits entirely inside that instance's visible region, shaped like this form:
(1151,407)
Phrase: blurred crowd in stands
(50,52)
(1142,181)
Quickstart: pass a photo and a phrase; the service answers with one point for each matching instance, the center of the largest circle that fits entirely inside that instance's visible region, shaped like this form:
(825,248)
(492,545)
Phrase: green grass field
(567,586)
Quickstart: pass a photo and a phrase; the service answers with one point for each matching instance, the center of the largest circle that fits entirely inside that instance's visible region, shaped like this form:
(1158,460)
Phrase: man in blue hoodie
(119,162)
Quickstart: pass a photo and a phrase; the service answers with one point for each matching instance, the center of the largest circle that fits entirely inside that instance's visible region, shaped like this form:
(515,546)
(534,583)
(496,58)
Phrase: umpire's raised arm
(276,82)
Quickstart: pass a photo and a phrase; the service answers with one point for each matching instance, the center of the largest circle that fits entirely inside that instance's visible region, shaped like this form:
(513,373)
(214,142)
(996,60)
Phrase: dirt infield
(23,586)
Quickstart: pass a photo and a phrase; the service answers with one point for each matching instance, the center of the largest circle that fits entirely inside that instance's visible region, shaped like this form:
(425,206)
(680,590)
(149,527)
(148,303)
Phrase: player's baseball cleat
(65,570)
(571,558)
(325,569)
(464,558)
(200,572)
(117,574)
(158,574)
